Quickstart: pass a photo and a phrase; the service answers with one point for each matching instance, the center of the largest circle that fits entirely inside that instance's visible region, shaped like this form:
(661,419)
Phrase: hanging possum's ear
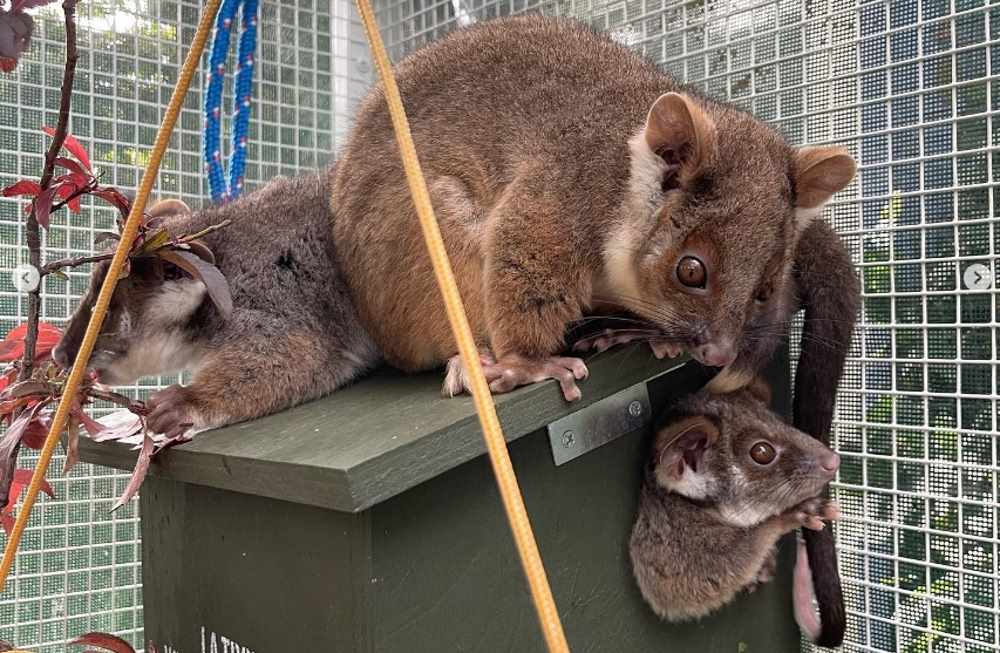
(818,173)
(681,447)
(165,208)
(680,132)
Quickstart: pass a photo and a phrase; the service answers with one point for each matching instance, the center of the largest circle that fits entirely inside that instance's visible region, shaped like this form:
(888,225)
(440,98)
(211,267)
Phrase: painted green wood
(373,440)
(432,569)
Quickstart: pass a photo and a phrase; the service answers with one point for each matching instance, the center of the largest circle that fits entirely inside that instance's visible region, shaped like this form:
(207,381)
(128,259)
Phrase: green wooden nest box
(370,521)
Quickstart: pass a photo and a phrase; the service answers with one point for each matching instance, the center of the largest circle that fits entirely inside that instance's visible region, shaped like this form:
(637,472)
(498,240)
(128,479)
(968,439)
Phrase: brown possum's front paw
(811,513)
(171,411)
(611,337)
(513,371)
(456,378)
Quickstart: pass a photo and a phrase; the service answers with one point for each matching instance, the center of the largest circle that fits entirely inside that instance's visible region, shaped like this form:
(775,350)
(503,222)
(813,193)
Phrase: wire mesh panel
(79,566)
(907,86)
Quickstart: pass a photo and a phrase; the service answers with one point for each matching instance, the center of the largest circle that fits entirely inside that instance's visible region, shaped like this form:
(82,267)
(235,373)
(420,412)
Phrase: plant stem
(204,232)
(73,262)
(33,234)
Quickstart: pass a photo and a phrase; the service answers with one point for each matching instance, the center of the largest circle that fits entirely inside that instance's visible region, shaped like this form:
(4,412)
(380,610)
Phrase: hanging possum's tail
(830,293)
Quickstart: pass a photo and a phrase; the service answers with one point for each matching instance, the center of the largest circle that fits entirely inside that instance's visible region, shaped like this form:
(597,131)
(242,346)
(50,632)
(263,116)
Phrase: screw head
(568,439)
(635,408)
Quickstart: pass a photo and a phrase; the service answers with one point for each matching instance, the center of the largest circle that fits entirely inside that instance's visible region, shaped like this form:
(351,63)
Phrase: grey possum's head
(714,205)
(146,330)
(737,456)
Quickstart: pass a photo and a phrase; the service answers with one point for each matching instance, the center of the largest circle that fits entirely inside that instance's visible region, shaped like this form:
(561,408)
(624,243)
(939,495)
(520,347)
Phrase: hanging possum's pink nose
(716,355)
(831,462)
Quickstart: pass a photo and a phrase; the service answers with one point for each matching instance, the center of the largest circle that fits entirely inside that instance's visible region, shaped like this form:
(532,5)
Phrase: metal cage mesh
(79,566)
(907,86)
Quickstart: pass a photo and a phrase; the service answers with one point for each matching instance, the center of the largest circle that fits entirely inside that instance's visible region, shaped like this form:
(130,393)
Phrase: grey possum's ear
(818,173)
(680,132)
(164,208)
(682,445)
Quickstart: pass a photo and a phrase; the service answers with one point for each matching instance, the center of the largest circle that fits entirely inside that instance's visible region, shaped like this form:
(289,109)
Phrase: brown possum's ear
(164,208)
(818,173)
(682,445)
(680,132)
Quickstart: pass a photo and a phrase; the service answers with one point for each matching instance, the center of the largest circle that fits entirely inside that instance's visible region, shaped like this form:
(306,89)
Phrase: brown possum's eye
(762,453)
(691,272)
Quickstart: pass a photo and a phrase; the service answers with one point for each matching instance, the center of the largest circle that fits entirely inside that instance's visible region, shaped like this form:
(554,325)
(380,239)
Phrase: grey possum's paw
(514,371)
(611,337)
(456,377)
(811,513)
(171,411)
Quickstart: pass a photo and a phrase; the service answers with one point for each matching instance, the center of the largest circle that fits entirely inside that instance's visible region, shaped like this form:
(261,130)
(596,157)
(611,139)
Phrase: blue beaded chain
(241,94)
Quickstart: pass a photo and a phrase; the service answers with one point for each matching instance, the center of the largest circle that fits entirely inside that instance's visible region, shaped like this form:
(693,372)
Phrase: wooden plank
(374,440)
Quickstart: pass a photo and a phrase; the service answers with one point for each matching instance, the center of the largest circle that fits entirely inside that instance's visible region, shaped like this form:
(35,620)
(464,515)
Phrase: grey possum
(569,176)
(726,478)
(293,334)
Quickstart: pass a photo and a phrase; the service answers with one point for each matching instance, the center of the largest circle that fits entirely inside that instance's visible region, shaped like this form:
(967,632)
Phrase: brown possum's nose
(830,462)
(717,355)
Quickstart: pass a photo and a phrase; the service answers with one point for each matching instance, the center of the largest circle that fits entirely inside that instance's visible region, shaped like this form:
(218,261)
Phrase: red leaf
(72,445)
(23,187)
(94,428)
(12,346)
(138,474)
(21,480)
(114,196)
(7,64)
(35,433)
(215,283)
(43,205)
(73,146)
(7,379)
(72,166)
(105,641)
(66,189)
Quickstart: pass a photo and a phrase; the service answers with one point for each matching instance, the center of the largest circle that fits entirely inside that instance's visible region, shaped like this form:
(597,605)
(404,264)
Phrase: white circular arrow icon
(25,277)
(978,277)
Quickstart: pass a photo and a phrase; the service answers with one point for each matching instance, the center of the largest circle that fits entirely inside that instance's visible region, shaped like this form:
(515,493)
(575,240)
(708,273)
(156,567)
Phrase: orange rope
(129,232)
(496,445)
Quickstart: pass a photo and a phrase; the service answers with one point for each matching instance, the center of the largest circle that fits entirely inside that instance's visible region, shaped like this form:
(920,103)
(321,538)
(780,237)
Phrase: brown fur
(523,126)
(293,334)
(709,516)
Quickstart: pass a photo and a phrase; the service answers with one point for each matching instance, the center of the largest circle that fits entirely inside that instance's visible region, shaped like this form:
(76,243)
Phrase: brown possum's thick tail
(830,293)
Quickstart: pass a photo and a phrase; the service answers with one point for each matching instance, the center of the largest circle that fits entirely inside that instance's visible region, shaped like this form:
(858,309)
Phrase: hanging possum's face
(715,203)
(148,329)
(737,456)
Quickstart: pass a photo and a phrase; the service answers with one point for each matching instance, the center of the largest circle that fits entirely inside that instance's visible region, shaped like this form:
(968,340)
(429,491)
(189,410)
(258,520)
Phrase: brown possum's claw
(663,349)
(171,411)
(611,337)
(811,513)
(514,371)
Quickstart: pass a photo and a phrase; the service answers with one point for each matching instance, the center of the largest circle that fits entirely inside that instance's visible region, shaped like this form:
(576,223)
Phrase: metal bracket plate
(599,423)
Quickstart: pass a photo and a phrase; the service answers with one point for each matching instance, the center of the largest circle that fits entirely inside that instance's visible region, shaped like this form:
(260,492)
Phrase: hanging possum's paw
(514,371)
(611,337)
(811,514)
(172,411)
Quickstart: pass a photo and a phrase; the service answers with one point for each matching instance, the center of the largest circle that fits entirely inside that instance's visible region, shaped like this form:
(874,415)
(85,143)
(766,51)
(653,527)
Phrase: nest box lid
(370,441)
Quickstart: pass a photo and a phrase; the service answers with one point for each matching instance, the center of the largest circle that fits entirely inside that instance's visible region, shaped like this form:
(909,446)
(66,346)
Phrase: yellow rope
(492,433)
(129,232)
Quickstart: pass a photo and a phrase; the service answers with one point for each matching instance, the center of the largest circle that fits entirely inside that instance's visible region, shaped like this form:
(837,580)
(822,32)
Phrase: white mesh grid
(79,567)
(907,86)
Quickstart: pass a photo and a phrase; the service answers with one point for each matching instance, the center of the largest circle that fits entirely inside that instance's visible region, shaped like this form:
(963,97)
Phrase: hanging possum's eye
(762,453)
(691,272)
